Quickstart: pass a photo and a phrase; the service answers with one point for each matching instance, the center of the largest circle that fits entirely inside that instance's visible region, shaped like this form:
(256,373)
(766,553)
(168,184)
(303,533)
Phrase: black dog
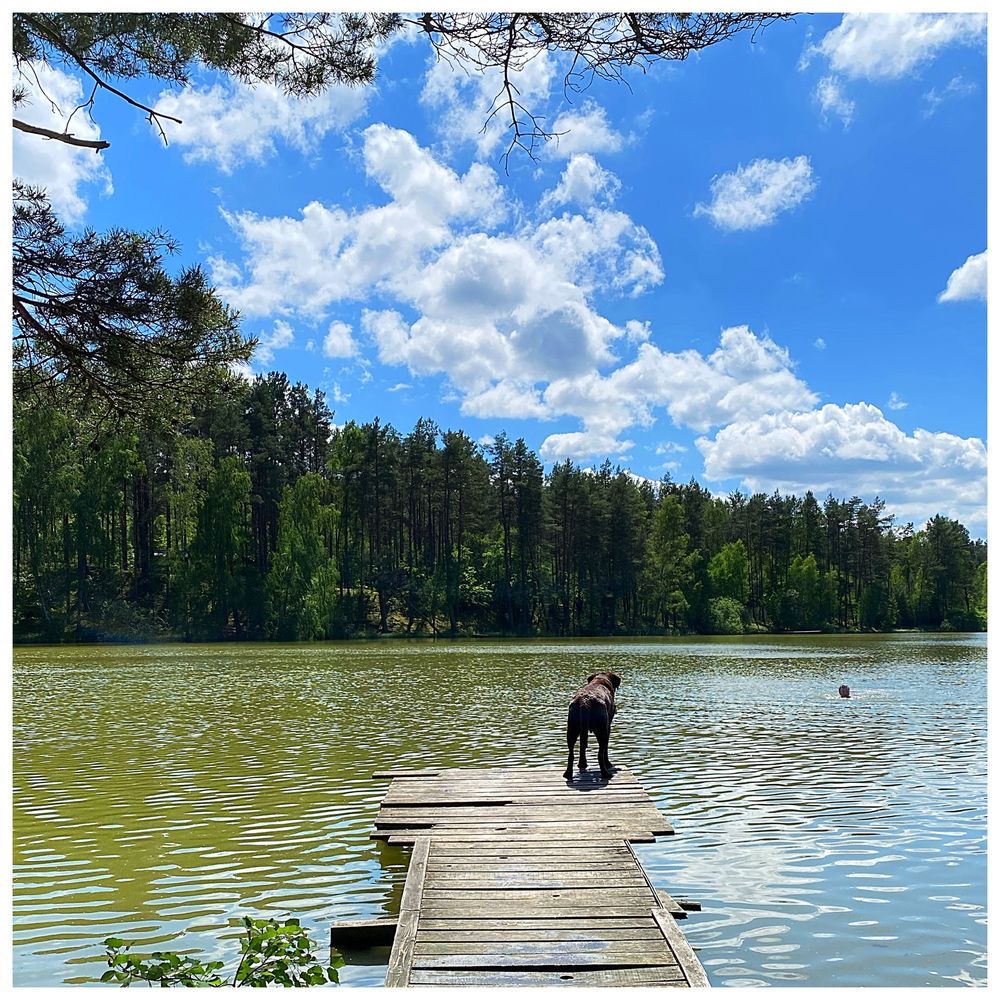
(591,710)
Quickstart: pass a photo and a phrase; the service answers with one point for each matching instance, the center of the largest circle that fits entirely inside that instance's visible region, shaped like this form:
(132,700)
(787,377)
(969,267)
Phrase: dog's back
(593,704)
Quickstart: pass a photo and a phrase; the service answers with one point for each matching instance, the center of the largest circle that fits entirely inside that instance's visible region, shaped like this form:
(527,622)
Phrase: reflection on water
(162,792)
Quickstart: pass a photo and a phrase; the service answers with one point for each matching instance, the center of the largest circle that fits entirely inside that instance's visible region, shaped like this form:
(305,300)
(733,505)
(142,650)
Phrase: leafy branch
(273,953)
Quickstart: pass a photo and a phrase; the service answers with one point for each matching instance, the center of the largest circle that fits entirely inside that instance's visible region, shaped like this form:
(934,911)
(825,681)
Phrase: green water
(162,792)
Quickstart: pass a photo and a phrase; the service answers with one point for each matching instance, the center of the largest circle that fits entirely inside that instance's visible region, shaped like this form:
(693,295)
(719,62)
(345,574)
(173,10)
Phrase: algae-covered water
(161,792)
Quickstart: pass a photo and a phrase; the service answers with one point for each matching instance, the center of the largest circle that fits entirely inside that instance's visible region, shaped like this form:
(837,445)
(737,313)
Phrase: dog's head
(613,679)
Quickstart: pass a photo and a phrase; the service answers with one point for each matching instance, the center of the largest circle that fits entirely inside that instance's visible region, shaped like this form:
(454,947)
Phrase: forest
(249,514)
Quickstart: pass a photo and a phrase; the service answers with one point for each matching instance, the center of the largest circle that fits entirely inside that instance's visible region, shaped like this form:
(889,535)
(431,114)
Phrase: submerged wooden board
(521,878)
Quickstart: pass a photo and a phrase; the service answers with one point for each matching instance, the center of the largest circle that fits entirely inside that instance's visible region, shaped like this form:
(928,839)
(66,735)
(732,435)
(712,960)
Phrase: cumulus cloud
(495,312)
(359,250)
(756,194)
(338,342)
(832,100)
(510,398)
(889,46)
(586,130)
(229,123)
(883,47)
(62,170)
(584,182)
(967,281)
(747,375)
(896,402)
(281,336)
(853,448)
(462,102)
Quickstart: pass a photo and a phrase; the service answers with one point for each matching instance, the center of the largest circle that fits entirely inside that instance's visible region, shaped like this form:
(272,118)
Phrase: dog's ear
(616,680)
(591,677)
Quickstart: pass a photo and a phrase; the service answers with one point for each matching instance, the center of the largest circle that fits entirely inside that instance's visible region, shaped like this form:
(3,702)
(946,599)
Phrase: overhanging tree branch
(67,137)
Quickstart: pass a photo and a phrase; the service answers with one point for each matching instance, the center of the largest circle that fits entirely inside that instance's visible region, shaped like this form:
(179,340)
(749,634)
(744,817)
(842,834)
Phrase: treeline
(250,517)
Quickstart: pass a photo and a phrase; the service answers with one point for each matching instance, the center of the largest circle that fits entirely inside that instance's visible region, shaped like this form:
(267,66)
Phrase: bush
(726,616)
(273,954)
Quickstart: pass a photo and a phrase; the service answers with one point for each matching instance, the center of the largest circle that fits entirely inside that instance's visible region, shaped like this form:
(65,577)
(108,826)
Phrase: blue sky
(764,267)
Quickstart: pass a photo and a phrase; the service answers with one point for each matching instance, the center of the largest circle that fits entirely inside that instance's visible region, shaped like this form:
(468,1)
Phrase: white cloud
(585,131)
(579,445)
(820,344)
(670,448)
(338,342)
(399,387)
(584,181)
(361,250)
(337,395)
(854,449)
(496,313)
(895,402)
(744,377)
(462,101)
(281,336)
(955,87)
(242,370)
(637,331)
(889,46)
(832,100)
(967,281)
(508,398)
(754,195)
(60,169)
(229,123)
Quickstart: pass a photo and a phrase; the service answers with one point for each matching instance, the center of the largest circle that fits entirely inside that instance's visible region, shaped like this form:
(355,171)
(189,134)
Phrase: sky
(763,267)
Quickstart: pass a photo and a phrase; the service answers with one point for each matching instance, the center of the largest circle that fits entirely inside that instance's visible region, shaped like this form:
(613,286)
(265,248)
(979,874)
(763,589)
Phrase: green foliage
(97,316)
(728,571)
(249,517)
(667,568)
(726,616)
(302,582)
(273,953)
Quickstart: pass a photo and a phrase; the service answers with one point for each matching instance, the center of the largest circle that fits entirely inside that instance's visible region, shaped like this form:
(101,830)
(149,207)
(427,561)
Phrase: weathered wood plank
(566,897)
(694,972)
(579,977)
(559,921)
(401,956)
(362,933)
(557,958)
(397,836)
(611,950)
(532,863)
(497,814)
(452,908)
(536,880)
(407,773)
(536,934)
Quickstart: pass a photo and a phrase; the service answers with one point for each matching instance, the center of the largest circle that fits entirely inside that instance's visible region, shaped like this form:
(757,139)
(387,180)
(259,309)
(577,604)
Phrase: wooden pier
(521,878)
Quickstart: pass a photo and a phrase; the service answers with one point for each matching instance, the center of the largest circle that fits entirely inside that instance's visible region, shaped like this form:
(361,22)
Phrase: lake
(160,792)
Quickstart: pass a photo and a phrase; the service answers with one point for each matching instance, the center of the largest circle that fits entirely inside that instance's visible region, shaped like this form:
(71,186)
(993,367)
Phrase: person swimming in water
(845,691)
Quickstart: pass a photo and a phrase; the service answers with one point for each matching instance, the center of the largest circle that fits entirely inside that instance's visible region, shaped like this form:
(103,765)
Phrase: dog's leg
(583,749)
(603,738)
(572,729)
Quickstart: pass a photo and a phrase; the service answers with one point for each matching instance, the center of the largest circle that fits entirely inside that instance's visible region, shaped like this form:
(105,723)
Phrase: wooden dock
(521,878)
